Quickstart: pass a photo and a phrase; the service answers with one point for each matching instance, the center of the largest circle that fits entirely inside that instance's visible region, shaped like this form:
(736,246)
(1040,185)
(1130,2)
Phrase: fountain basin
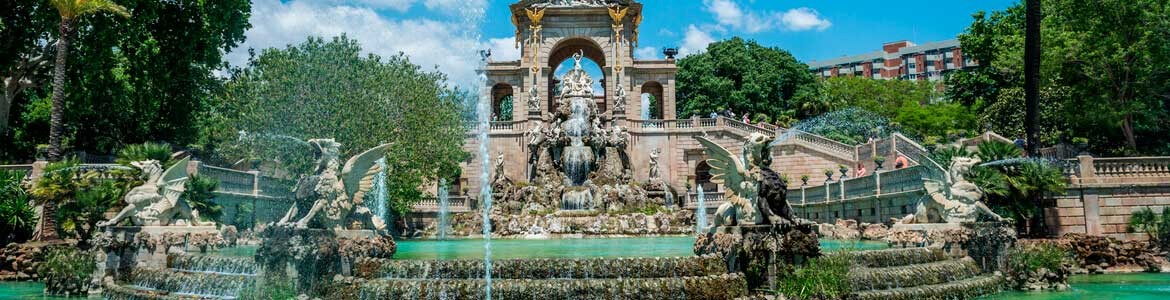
(725,286)
(545,268)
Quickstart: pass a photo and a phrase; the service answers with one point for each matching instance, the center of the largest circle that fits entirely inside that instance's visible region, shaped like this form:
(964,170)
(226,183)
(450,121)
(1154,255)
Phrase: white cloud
(731,14)
(695,41)
(430,43)
(804,18)
(646,53)
(504,49)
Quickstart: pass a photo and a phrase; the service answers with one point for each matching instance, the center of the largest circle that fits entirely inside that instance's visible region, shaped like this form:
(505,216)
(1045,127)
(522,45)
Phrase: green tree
(146,78)
(70,11)
(328,89)
(745,77)
(917,106)
(16,216)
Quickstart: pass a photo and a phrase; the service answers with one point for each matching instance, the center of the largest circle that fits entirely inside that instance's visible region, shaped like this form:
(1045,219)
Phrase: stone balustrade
(455,204)
(232,181)
(710,199)
(1088,170)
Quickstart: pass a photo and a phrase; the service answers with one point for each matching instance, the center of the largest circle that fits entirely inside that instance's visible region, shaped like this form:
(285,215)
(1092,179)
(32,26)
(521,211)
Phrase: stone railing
(454,204)
(880,183)
(826,145)
(710,199)
(748,128)
(232,181)
(1131,170)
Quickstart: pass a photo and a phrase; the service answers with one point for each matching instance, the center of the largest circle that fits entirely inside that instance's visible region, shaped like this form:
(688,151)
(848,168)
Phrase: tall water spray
(444,207)
(381,205)
(645,106)
(701,212)
(485,193)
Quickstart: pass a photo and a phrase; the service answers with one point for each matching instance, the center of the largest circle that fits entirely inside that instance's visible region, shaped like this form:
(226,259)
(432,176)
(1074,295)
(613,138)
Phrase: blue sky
(444,34)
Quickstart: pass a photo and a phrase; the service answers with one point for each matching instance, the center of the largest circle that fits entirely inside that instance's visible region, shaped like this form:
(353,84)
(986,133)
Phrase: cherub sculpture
(338,193)
(746,176)
(961,206)
(158,200)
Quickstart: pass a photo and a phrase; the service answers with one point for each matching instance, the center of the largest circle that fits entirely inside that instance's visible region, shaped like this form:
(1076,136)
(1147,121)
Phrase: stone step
(897,257)
(199,285)
(938,272)
(724,286)
(542,268)
(963,289)
(212,264)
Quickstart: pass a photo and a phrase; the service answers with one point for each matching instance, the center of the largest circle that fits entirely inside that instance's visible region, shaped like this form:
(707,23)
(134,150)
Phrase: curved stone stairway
(187,277)
(918,273)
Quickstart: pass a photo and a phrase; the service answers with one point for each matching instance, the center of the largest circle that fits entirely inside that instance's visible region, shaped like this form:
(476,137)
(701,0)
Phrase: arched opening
(703,177)
(560,60)
(502,102)
(652,102)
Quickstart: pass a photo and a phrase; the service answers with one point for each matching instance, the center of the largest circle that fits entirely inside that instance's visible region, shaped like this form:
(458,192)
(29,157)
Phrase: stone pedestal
(986,242)
(146,247)
(306,260)
(761,252)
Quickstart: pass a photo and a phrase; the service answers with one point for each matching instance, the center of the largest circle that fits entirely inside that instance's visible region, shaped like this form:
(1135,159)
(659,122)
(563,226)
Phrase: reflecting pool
(1109,286)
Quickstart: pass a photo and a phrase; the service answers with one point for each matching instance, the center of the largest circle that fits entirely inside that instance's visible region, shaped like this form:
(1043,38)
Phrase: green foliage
(825,277)
(244,217)
(1027,259)
(1155,225)
(361,101)
(78,218)
(17,218)
(506,107)
(917,106)
(144,78)
(1102,74)
(994,151)
(199,194)
(745,77)
(1013,188)
(145,151)
(850,126)
(63,266)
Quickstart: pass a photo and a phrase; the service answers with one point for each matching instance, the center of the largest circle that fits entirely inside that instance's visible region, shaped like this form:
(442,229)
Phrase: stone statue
(533,98)
(337,193)
(654,163)
(619,100)
(158,200)
(961,206)
(745,176)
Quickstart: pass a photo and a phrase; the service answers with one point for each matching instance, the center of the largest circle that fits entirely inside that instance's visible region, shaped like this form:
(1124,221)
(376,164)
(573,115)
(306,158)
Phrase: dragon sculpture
(757,193)
(962,205)
(158,201)
(337,193)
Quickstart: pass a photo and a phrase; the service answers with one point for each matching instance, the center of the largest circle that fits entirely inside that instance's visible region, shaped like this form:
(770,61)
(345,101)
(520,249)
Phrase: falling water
(380,205)
(701,212)
(485,112)
(578,157)
(444,207)
(645,106)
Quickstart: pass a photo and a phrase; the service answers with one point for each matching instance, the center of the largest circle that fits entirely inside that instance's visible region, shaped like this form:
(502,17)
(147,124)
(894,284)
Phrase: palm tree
(71,11)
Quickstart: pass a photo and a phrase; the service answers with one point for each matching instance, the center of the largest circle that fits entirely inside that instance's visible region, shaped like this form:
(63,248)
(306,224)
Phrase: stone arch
(501,93)
(564,50)
(703,177)
(655,89)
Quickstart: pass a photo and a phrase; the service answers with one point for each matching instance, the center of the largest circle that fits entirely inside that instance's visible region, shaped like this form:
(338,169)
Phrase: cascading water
(645,106)
(444,207)
(701,212)
(485,112)
(380,206)
(578,157)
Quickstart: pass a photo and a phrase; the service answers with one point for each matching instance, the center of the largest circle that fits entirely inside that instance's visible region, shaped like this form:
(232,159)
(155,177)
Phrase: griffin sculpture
(962,205)
(757,192)
(338,193)
(158,201)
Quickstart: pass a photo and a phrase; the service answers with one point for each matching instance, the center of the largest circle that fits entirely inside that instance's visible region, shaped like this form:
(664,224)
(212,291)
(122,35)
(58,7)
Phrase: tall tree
(745,77)
(328,89)
(71,11)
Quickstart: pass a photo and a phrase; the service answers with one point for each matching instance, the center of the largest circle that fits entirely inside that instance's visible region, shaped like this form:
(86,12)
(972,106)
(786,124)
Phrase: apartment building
(899,60)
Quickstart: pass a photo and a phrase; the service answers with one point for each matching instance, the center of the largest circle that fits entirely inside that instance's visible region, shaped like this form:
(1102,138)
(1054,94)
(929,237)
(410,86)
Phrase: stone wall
(1104,192)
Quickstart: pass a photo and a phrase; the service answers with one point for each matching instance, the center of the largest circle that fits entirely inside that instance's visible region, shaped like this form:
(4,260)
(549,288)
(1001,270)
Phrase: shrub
(1031,263)
(146,151)
(825,277)
(79,217)
(17,218)
(199,193)
(66,271)
(1154,225)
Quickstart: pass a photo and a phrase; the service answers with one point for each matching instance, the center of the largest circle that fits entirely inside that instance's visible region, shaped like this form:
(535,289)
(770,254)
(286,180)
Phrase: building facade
(899,60)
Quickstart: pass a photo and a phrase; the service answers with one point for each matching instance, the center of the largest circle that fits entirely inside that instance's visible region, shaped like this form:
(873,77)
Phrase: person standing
(901,162)
(860,172)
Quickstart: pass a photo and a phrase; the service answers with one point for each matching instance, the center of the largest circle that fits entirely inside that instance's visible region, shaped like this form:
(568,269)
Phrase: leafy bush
(145,151)
(74,202)
(825,277)
(1154,225)
(17,218)
(66,271)
(199,193)
(1027,264)
(78,218)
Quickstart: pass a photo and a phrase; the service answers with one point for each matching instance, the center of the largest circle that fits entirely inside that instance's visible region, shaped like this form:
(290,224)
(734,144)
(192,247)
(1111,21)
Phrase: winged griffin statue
(962,204)
(757,194)
(338,194)
(158,201)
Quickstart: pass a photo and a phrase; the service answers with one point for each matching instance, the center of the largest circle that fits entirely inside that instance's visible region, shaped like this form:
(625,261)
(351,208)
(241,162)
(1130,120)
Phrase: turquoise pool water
(1109,286)
(24,290)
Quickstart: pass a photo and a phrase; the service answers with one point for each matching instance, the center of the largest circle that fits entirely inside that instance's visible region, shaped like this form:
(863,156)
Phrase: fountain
(381,199)
(444,208)
(701,212)
(485,112)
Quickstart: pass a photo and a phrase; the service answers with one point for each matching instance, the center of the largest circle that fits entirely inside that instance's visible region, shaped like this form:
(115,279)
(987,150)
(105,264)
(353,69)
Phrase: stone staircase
(918,273)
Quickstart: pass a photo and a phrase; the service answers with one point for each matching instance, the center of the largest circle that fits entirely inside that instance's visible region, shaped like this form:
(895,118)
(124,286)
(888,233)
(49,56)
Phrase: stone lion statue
(158,201)
(745,176)
(338,194)
(961,206)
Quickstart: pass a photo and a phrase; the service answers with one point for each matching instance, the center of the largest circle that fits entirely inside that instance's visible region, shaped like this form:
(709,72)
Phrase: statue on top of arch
(575,3)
